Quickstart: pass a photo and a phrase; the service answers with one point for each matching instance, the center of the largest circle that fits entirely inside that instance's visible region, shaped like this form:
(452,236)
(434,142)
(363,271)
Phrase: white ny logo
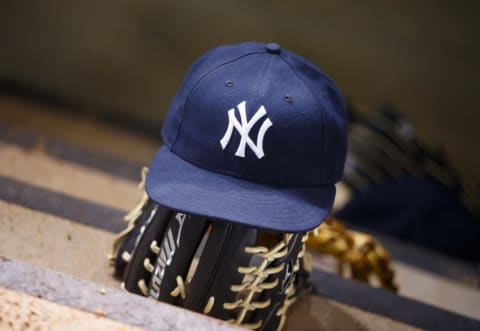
(244,128)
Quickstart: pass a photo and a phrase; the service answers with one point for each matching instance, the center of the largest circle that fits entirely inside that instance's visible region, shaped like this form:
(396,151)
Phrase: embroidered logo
(243,128)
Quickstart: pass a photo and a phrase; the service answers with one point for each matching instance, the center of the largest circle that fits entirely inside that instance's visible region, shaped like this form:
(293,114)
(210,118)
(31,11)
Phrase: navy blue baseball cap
(256,135)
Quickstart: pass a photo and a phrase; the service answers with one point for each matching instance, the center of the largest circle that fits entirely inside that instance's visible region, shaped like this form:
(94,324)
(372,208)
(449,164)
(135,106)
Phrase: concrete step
(36,297)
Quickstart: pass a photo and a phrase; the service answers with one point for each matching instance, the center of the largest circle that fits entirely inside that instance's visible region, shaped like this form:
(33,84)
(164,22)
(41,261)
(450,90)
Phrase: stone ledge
(113,304)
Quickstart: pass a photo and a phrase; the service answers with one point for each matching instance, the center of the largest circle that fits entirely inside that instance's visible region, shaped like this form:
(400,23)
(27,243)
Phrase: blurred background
(101,74)
(124,60)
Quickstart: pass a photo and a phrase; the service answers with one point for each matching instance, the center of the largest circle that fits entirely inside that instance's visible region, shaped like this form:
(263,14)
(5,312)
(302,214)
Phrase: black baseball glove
(241,274)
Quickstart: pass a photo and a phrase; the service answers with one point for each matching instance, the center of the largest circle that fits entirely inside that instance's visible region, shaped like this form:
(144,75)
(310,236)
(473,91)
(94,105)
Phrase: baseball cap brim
(177,184)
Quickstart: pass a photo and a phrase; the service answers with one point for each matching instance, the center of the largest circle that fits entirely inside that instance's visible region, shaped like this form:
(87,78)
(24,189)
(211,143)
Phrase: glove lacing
(256,283)
(131,219)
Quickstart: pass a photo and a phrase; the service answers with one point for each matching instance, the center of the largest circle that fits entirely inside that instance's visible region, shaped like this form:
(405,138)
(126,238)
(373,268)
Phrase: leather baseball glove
(244,275)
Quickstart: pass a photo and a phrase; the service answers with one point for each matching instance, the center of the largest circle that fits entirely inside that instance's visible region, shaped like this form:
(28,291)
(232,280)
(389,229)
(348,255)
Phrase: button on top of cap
(273,48)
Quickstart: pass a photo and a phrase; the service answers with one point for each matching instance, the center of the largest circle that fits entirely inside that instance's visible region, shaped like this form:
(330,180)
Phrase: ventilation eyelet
(288,98)
(228,83)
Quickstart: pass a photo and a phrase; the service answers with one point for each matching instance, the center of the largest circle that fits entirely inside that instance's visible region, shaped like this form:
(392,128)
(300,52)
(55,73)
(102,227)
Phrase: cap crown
(259,113)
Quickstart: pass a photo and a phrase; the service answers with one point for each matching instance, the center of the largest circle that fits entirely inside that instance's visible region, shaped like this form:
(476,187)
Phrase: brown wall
(129,57)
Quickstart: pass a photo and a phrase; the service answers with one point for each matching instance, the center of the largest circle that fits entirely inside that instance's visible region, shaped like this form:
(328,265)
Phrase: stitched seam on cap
(315,99)
(262,80)
(195,86)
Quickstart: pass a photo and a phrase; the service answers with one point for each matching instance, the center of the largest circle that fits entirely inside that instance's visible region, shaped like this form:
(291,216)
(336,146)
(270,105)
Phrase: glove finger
(124,252)
(138,271)
(283,294)
(176,252)
(217,268)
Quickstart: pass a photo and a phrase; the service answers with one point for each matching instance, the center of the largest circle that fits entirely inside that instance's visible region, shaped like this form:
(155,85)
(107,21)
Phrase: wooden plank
(309,312)
(438,291)
(81,155)
(77,129)
(64,206)
(418,284)
(22,312)
(56,243)
(389,305)
(111,303)
(313,313)
(39,169)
